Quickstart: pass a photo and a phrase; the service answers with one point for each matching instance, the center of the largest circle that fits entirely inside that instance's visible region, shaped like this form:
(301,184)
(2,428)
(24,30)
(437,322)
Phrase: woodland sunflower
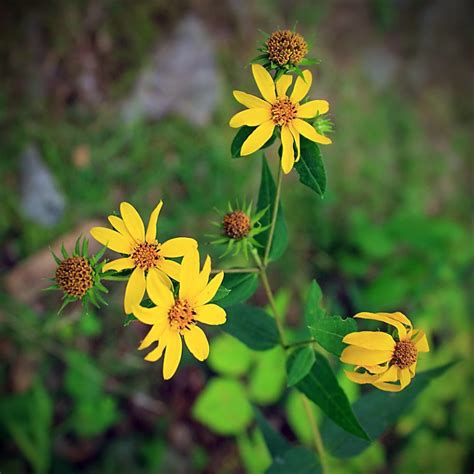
(387,363)
(144,254)
(277,109)
(175,317)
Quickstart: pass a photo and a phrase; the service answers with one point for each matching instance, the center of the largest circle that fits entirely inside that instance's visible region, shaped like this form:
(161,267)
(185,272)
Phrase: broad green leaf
(330,330)
(241,285)
(266,199)
(223,407)
(276,443)
(299,364)
(221,293)
(252,326)
(313,308)
(377,411)
(228,356)
(241,136)
(322,388)
(296,460)
(267,380)
(310,167)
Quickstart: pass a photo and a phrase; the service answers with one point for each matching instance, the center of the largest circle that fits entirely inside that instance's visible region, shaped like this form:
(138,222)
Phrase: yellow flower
(176,316)
(380,360)
(144,253)
(276,109)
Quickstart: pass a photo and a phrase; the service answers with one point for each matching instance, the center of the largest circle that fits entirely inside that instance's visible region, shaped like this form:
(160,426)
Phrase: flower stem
(276,206)
(236,270)
(318,442)
(306,342)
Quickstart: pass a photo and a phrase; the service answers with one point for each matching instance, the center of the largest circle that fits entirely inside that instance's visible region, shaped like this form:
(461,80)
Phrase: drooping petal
(388,387)
(133,221)
(383,318)
(380,341)
(174,348)
(391,375)
(177,247)
(250,101)
(420,341)
(283,84)
(151,316)
(135,290)
(250,117)
(312,108)
(120,226)
(119,264)
(160,275)
(189,274)
(171,268)
(296,137)
(374,369)
(111,239)
(302,86)
(158,291)
(265,83)
(404,377)
(150,236)
(257,138)
(310,132)
(197,342)
(400,317)
(288,155)
(359,356)
(155,354)
(154,334)
(210,314)
(210,291)
(357,377)
(412,369)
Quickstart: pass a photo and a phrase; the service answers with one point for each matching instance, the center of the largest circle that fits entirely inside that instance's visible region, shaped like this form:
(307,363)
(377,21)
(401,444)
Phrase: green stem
(306,342)
(236,270)
(276,206)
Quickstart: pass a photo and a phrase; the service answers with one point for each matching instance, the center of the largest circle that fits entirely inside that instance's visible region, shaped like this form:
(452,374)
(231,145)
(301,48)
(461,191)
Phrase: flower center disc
(404,355)
(74,276)
(286,47)
(236,224)
(283,111)
(181,315)
(146,255)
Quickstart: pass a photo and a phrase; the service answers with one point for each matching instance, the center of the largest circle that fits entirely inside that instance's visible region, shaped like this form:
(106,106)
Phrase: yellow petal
(312,108)
(111,239)
(203,277)
(296,137)
(359,356)
(174,348)
(210,314)
(257,138)
(210,291)
(251,101)
(250,117)
(375,369)
(388,387)
(420,341)
(288,156)
(155,354)
(158,291)
(119,225)
(385,319)
(152,222)
(133,221)
(197,342)
(404,377)
(151,316)
(119,264)
(135,290)
(361,378)
(400,317)
(370,340)
(265,83)
(189,274)
(172,269)
(154,334)
(177,247)
(412,369)
(391,375)
(283,84)
(163,277)
(302,86)
(310,132)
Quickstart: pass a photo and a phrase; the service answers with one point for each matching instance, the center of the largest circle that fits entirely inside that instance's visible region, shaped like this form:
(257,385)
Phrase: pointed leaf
(276,443)
(296,460)
(313,308)
(241,286)
(328,331)
(299,364)
(310,167)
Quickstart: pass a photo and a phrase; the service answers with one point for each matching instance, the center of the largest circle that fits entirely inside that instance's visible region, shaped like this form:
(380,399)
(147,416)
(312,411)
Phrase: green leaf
(241,285)
(223,407)
(276,443)
(313,308)
(221,293)
(266,199)
(129,318)
(253,452)
(228,356)
(297,460)
(322,388)
(252,326)
(298,418)
(240,138)
(310,167)
(377,411)
(328,331)
(299,364)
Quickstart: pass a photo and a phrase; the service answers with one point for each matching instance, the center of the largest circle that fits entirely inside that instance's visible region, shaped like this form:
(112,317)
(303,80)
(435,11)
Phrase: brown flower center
(146,255)
(236,224)
(286,47)
(404,355)
(283,111)
(74,276)
(181,315)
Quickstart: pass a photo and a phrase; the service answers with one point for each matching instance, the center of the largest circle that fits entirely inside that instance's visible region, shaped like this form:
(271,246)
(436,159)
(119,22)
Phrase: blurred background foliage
(393,232)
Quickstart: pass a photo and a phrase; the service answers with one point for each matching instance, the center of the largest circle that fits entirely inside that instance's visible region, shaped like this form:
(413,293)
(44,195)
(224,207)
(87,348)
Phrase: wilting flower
(387,363)
(143,252)
(177,316)
(277,109)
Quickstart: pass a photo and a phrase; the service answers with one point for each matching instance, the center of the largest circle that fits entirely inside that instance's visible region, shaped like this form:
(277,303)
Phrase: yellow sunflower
(144,253)
(380,360)
(277,109)
(176,316)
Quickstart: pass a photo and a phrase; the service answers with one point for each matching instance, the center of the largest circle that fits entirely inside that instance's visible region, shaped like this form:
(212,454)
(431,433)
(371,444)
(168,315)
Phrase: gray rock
(41,200)
(181,78)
